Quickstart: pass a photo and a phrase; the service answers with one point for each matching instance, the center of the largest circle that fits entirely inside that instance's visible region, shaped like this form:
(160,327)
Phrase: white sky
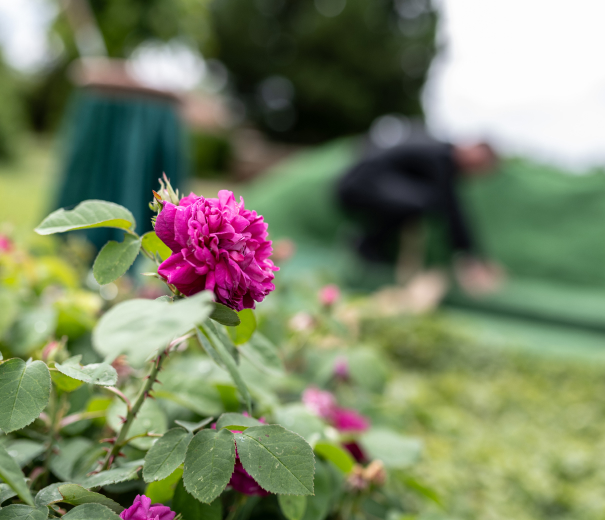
(528,74)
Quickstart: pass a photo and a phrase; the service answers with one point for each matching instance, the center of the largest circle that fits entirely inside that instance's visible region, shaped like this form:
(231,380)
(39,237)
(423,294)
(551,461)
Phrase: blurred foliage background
(309,71)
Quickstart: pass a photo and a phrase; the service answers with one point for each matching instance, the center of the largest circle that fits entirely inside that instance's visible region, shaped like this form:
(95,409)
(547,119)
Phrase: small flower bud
(329,295)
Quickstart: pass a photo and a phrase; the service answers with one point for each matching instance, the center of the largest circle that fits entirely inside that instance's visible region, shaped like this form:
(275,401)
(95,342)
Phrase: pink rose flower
(346,420)
(5,244)
(217,245)
(319,402)
(329,295)
(141,509)
(323,404)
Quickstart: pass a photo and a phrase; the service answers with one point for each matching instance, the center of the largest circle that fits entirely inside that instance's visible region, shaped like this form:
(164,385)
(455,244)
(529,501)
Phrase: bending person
(392,190)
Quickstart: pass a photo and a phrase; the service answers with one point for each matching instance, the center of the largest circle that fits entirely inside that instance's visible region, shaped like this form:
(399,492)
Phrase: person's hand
(478,277)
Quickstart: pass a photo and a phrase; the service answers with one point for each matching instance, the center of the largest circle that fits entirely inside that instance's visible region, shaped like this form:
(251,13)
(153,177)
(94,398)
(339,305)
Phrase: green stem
(57,408)
(134,410)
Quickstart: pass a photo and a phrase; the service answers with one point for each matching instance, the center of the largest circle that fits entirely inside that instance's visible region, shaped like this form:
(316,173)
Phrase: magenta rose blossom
(323,404)
(346,420)
(141,509)
(217,245)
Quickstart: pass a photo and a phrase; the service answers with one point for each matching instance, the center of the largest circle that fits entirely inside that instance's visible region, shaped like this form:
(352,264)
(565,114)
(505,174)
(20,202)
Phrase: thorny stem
(58,407)
(134,410)
(121,395)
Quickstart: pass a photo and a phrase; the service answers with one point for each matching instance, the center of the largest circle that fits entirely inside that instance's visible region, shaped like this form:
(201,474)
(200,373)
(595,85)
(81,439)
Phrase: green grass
(27,186)
(509,434)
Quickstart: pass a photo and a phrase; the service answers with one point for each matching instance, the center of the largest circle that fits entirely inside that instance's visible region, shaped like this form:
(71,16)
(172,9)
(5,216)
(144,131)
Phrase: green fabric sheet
(117,148)
(544,225)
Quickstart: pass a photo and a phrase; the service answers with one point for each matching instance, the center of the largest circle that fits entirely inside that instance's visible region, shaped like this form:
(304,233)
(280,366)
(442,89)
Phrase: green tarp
(118,148)
(545,226)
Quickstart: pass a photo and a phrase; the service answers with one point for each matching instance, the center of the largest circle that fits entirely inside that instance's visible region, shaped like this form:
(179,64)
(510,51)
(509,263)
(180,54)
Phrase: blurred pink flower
(347,420)
(301,321)
(217,245)
(319,402)
(6,244)
(341,367)
(329,295)
(141,509)
(323,404)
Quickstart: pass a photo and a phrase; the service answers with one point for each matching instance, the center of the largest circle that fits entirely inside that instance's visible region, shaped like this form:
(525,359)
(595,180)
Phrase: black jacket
(406,182)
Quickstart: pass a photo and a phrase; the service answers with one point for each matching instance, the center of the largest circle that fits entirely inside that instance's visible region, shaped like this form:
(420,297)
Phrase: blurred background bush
(309,71)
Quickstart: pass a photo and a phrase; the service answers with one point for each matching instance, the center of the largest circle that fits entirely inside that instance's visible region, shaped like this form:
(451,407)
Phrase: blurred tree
(12,114)
(124,25)
(310,70)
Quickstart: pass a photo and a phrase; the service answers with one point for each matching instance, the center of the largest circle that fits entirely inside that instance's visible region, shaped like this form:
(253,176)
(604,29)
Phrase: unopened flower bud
(301,321)
(329,295)
(341,368)
(375,473)
(356,480)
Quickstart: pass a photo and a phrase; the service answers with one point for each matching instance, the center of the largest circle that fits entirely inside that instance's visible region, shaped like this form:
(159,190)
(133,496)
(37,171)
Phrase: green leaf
(87,214)
(63,382)
(150,419)
(91,512)
(77,495)
(115,259)
(338,456)
(262,354)
(65,463)
(6,492)
(24,451)
(209,349)
(209,464)
(206,401)
(243,332)
(163,490)
(21,512)
(224,315)
(292,506)
(422,489)
(12,475)
(297,418)
(50,494)
(192,509)
(140,328)
(153,244)
(225,339)
(102,374)
(124,473)
(32,329)
(24,393)
(229,364)
(318,505)
(236,421)
(193,427)
(394,450)
(279,460)
(167,454)
(367,369)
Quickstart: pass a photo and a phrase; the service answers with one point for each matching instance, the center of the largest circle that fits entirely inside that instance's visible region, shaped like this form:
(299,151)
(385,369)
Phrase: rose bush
(151,414)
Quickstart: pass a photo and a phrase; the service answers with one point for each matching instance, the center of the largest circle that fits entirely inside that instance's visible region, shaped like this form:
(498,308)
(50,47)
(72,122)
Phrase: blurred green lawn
(27,186)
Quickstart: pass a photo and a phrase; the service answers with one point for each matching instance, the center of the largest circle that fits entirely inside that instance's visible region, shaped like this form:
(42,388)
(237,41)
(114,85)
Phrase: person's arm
(460,235)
